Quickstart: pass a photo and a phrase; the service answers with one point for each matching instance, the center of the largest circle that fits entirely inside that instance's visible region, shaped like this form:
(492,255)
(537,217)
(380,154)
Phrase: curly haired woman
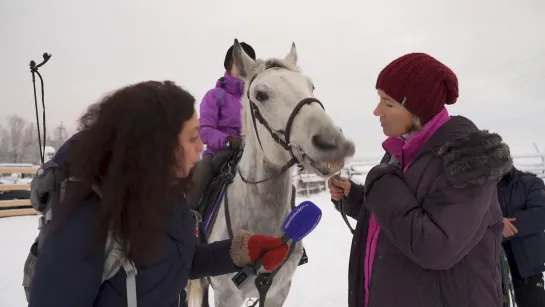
(138,145)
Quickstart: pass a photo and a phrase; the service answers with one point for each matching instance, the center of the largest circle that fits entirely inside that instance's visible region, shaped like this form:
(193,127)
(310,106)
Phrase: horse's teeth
(331,164)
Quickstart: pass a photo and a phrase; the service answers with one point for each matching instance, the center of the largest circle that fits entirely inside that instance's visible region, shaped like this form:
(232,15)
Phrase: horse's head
(283,117)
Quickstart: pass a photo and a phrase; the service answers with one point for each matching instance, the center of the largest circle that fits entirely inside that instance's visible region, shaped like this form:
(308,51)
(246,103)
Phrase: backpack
(47,188)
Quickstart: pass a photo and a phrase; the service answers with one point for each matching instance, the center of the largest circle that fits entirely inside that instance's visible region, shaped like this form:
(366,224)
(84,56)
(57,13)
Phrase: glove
(234,142)
(247,249)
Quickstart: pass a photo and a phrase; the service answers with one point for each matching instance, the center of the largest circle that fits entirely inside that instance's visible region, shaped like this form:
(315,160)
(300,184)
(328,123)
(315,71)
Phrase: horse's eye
(313,87)
(261,96)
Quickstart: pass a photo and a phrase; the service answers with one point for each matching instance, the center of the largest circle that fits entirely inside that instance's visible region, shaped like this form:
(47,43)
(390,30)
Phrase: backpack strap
(130,270)
(96,189)
(219,96)
(114,259)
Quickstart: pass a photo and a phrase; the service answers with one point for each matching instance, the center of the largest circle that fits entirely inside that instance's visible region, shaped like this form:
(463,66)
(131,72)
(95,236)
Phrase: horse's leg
(281,285)
(225,293)
(279,297)
(205,289)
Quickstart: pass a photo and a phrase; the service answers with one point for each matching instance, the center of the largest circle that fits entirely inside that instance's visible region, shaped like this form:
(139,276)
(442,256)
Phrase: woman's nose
(377,111)
(200,145)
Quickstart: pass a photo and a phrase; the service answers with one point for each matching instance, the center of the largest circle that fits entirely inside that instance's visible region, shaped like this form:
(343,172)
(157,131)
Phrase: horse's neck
(267,201)
(254,167)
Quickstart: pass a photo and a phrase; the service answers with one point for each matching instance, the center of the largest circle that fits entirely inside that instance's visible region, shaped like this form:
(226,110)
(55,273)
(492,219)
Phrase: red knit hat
(422,84)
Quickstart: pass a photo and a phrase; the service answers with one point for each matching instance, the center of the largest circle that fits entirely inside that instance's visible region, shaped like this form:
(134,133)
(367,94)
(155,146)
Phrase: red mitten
(247,248)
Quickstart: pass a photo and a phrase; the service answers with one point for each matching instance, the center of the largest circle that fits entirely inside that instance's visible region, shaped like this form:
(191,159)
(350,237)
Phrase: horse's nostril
(323,143)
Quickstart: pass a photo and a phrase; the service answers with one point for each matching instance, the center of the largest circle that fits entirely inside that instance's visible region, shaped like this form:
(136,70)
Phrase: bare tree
(60,136)
(4,144)
(15,133)
(29,147)
(19,140)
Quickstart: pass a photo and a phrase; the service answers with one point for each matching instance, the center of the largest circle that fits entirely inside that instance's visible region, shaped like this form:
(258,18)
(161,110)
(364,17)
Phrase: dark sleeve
(212,260)
(69,267)
(353,203)
(438,233)
(531,219)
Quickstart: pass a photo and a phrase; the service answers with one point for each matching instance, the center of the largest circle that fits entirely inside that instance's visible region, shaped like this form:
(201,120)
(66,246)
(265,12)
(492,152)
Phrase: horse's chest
(265,215)
(265,221)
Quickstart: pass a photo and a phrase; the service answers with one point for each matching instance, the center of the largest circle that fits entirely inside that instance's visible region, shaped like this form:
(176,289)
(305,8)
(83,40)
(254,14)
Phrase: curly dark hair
(127,144)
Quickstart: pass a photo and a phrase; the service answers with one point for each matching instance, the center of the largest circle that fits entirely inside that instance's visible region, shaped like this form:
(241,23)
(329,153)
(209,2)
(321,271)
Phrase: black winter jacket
(522,196)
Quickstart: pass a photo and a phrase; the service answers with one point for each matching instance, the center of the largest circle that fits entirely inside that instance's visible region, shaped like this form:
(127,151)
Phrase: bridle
(296,157)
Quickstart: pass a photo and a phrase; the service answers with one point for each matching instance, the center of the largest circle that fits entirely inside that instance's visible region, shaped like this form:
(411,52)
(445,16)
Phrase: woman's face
(190,146)
(394,118)
(234,71)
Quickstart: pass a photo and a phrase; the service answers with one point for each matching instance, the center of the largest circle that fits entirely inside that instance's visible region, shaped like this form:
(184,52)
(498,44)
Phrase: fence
(357,170)
(15,190)
(307,184)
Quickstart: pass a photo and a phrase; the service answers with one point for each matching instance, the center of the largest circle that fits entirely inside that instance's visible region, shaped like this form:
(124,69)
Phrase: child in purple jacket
(220,117)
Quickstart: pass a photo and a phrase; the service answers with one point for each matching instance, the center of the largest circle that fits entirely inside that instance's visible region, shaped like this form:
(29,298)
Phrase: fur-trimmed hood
(471,156)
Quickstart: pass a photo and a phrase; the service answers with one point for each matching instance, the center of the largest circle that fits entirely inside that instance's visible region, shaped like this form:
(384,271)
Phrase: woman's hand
(509,229)
(247,249)
(339,187)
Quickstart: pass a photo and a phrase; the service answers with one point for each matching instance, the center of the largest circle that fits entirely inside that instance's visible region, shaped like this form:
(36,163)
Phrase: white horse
(283,124)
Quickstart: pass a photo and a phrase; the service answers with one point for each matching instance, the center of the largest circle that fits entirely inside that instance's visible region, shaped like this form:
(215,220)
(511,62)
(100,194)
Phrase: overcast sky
(496,47)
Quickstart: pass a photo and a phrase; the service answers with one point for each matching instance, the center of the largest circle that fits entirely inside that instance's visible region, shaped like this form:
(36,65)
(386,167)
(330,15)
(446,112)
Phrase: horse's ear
(292,56)
(244,63)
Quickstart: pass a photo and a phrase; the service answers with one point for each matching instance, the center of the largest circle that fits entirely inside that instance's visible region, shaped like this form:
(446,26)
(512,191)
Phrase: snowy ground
(321,282)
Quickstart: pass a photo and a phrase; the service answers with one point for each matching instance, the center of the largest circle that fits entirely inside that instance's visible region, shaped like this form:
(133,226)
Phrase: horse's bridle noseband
(285,143)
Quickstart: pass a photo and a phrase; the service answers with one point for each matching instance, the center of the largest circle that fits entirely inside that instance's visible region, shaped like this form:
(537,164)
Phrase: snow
(16,236)
(323,281)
